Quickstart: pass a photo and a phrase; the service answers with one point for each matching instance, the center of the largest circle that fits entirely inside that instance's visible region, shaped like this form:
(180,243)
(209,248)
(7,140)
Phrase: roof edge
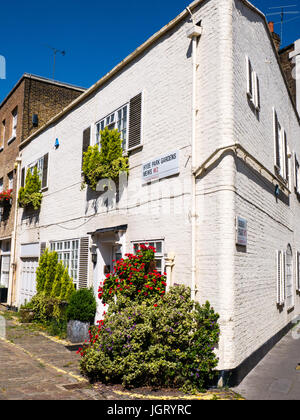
(41,79)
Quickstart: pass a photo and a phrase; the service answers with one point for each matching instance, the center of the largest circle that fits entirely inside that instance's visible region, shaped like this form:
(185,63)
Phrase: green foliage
(56,289)
(30,194)
(82,306)
(52,278)
(67,286)
(106,163)
(166,342)
(41,271)
(134,277)
(52,263)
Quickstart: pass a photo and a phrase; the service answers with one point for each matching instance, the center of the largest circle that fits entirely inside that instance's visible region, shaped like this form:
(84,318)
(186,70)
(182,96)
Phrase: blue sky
(96,35)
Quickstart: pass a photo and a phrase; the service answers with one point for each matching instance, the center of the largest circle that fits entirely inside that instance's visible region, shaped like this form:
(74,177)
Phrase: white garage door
(28,275)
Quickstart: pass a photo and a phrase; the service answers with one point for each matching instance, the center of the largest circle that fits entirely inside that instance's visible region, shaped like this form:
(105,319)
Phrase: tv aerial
(282,13)
(55,51)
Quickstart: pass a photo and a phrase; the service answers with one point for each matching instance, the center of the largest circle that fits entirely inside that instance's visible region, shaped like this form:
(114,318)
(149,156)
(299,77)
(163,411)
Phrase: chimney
(275,37)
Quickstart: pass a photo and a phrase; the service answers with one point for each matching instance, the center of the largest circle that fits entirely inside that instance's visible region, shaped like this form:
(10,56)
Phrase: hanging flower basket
(6,198)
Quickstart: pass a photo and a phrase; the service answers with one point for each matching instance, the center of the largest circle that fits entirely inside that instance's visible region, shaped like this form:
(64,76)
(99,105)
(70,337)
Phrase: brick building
(207,103)
(30,104)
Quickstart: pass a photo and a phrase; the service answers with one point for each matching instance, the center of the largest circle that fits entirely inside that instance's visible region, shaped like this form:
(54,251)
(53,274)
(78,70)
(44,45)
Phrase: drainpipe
(295,55)
(12,271)
(193,33)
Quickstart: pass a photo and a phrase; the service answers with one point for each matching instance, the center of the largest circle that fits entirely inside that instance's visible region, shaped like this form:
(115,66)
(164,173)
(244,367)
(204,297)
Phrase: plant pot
(77,331)
(27,315)
(3,294)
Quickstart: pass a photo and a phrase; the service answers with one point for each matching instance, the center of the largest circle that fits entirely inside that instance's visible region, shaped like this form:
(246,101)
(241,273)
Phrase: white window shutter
(276,140)
(283,296)
(249,78)
(298,271)
(278,283)
(257,92)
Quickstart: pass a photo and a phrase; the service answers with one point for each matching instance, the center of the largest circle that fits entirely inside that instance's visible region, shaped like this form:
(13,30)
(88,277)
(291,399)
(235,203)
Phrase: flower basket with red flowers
(5,198)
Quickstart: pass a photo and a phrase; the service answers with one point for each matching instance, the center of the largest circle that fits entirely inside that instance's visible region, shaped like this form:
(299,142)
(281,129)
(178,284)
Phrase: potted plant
(5,198)
(80,315)
(3,293)
(30,196)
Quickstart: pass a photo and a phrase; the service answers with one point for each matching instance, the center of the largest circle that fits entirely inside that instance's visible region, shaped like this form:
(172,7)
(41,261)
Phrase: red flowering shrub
(5,197)
(134,277)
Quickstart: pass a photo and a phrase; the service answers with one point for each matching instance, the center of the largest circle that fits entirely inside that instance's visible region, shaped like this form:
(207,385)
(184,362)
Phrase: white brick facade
(239,283)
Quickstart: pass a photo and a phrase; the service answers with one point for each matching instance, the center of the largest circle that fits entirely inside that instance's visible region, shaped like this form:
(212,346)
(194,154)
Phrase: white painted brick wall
(240,286)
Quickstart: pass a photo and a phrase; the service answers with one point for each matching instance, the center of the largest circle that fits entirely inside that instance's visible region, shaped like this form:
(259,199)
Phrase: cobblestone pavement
(34,366)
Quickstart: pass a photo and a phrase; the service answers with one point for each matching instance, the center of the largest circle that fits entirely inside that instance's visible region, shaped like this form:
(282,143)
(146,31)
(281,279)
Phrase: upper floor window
(2,135)
(253,88)
(281,148)
(127,120)
(116,120)
(14,123)
(10,180)
(42,167)
(1,185)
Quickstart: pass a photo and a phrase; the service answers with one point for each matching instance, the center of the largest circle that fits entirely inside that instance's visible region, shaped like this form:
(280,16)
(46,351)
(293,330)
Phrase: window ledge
(139,146)
(11,139)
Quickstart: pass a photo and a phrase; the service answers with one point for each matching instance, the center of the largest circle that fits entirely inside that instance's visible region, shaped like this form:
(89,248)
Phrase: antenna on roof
(282,13)
(55,51)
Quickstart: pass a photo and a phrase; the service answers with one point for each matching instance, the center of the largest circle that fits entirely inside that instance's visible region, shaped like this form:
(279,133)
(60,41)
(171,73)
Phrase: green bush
(82,306)
(106,163)
(166,342)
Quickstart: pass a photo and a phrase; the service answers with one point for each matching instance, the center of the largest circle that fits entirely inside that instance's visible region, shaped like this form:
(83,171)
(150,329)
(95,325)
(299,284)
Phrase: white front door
(5,263)
(28,279)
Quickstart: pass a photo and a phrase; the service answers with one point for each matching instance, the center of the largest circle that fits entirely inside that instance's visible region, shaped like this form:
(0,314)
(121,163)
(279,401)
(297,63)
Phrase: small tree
(41,271)
(67,286)
(57,281)
(30,194)
(50,272)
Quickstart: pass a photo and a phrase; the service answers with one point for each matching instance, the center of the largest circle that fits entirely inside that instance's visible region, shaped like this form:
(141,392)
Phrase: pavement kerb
(209,395)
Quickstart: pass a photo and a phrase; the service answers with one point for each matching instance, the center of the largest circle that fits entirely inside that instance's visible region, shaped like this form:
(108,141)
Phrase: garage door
(28,275)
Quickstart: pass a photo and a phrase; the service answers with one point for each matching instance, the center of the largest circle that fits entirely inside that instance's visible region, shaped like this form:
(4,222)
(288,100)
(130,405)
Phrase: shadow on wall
(251,173)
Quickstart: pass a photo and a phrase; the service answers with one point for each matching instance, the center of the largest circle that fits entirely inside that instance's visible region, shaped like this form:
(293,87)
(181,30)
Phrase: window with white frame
(298,271)
(159,252)
(281,148)
(42,168)
(1,185)
(296,174)
(116,120)
(14,123)
(68,254)
(289,287)
(285,285)
(2,137)
(253,88)
(10,180)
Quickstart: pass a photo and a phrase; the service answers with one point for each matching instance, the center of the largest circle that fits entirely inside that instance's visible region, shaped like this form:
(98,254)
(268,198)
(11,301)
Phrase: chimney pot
(271,27)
